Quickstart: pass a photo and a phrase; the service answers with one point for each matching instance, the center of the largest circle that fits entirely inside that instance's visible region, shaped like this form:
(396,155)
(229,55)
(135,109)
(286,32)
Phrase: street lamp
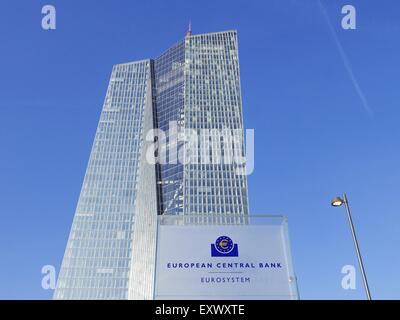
(337,202)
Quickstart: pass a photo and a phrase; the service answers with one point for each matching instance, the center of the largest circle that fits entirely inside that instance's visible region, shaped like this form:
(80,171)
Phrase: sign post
(236,257)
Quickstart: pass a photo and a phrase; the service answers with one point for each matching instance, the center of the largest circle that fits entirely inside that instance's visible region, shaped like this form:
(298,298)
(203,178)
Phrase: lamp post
(337,202)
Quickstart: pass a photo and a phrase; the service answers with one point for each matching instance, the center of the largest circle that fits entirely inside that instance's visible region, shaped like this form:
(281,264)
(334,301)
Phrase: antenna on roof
(189,32)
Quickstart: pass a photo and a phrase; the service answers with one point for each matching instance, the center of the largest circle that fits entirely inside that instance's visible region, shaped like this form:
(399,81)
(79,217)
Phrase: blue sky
(313,136)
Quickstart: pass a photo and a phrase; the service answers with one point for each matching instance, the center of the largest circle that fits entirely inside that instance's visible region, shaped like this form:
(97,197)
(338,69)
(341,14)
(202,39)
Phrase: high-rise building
(192,87)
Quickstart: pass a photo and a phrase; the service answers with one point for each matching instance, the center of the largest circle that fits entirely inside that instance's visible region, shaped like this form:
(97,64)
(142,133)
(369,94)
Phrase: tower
(195,85)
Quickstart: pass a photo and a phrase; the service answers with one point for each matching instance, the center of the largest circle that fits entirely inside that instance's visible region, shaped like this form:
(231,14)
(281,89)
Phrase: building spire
(189,32)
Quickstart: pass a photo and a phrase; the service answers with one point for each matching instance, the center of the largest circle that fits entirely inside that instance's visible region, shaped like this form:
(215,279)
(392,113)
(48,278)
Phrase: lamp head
(337,202)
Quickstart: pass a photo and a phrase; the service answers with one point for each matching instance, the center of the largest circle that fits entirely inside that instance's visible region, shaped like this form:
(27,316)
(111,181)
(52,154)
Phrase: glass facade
(97,260)
(170,107)
(213,104)
(195,84)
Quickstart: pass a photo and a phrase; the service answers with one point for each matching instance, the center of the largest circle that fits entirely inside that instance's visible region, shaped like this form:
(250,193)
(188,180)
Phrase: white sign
(245,261)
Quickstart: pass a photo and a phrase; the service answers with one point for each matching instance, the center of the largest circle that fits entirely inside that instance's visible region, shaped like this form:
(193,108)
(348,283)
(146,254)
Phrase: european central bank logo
(224,247)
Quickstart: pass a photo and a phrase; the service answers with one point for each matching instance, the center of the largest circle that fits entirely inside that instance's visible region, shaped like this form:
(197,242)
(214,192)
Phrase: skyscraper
(193,86)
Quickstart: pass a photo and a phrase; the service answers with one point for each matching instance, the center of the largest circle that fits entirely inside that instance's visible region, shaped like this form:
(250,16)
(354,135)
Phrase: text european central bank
(192,87)
(250,258)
